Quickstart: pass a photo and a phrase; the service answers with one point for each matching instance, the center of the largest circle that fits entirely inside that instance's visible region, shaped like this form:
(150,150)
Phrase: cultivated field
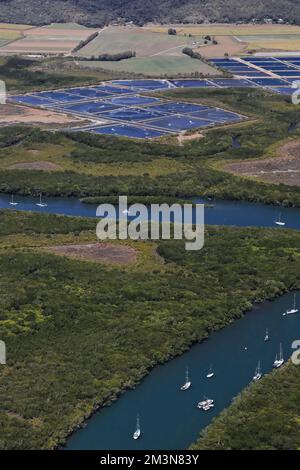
(155,66)
(10,32)
(237,39)
(284,42)
(156,53)
(227,29)
(145,43)
(52,39)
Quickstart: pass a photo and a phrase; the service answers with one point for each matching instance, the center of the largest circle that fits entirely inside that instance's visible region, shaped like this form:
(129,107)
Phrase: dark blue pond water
(224,212)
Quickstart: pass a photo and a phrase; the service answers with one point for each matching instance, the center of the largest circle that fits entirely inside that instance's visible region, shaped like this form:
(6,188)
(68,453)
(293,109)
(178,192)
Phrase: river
(237,213)
(169,417)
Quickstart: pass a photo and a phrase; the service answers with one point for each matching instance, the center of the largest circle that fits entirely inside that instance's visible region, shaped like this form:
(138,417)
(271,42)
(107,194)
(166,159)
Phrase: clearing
(43,166)
(15,114)
(97,252)
(281,169)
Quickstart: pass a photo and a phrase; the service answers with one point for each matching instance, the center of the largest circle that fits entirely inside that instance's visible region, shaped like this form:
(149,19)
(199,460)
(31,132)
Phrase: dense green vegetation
(84,42)
(115,57)
(18,74)
(273,120)
(72,352)
(265,416)
(23,75)
(99,12)
(193,54)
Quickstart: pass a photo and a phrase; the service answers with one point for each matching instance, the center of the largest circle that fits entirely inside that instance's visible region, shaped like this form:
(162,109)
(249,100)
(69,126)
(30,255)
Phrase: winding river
(237,213)
(169,417)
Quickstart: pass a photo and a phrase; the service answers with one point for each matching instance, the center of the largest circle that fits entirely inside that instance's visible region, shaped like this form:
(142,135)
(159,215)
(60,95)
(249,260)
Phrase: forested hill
(99,12)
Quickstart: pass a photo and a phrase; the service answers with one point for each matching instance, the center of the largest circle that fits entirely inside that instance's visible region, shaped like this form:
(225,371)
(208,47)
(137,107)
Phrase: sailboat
(292,310)
(187,383)
(12,202)
(258,375)
(279,221)
(267,335)
(137,433)
(41,204)
(279,362)
(210,373)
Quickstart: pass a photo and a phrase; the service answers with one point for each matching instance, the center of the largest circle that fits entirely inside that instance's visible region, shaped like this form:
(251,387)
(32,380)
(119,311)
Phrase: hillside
(99,12)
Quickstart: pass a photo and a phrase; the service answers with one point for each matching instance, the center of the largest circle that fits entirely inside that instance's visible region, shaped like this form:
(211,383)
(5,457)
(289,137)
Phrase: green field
(144,43)
(155,66)
(66,26)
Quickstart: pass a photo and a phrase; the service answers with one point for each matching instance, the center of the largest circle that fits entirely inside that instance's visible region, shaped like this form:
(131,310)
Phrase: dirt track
(15,114)
(283,168)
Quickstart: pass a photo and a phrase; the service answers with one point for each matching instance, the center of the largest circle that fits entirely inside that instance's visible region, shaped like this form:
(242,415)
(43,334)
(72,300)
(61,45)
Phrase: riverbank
(252,422)
(139,317)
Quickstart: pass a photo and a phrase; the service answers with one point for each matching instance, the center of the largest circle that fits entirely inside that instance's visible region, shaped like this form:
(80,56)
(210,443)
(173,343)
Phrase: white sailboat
(12,201)
(267,335)
(279,362)
(41,203)
(258,375)
(210,373)
(280,221)
(137,433)
(293,310)
(187,383)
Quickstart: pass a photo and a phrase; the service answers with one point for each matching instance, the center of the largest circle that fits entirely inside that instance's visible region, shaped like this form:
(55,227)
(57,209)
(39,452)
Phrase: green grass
(145,43)
(156,66)
(60,154)
(66,26)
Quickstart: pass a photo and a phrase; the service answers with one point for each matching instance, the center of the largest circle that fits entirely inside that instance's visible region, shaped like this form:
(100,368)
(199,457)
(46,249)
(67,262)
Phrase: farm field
(284,42)
(227,29)
(50,39)
(155,66)
(237,39)
(145,43)
(10,32)
(156,53)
